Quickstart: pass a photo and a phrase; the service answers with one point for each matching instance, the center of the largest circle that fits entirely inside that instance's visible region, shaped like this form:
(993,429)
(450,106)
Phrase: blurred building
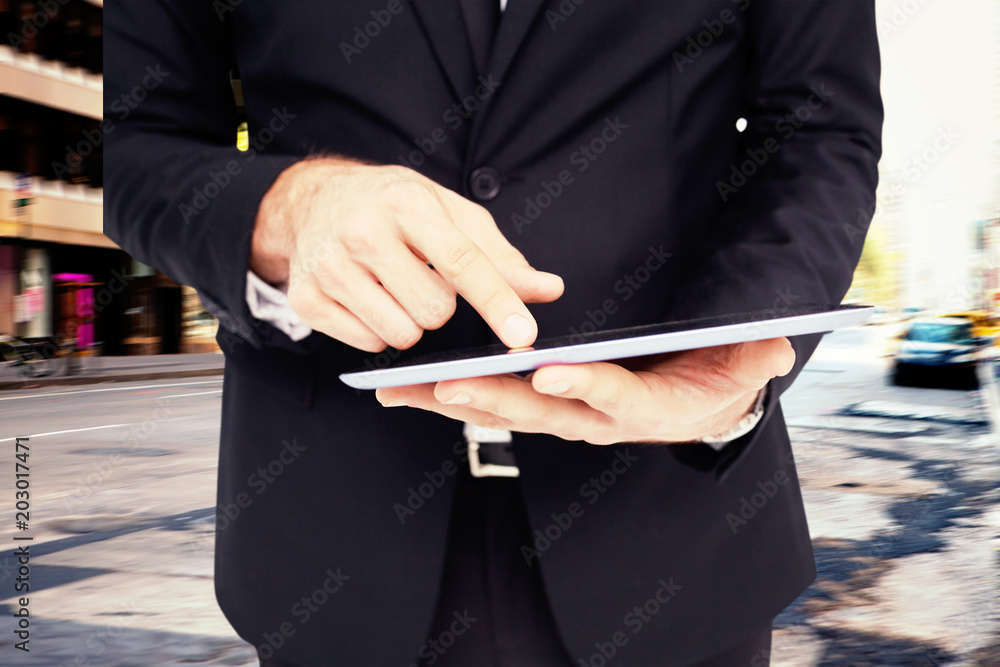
(934,243)
(59,275)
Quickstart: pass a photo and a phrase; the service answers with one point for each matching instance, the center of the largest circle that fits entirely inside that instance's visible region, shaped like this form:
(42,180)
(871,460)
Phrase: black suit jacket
(613,133)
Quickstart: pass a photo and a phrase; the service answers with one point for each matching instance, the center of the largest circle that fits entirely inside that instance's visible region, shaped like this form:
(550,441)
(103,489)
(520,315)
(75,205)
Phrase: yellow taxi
(984,325)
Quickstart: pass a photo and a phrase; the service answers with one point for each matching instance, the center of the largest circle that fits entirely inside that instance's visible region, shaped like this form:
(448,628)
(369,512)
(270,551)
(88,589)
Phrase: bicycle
(26,357)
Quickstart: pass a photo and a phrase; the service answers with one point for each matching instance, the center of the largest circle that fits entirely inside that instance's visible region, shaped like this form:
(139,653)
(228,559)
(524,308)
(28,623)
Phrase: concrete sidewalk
(92,370)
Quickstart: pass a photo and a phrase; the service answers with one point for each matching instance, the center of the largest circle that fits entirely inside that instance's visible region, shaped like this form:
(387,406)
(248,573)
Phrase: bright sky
(940,72)
(941,141)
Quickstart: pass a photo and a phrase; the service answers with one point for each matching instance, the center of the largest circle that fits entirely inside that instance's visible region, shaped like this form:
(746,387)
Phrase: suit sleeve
(793,229)
(179,195)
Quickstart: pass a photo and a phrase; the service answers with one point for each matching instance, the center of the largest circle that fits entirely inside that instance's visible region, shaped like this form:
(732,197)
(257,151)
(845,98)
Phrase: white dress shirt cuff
(270,304)
(744,426)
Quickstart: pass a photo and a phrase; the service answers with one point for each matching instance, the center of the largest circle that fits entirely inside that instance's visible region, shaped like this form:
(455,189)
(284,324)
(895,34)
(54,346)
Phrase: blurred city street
(901,486)
(112,370)
(902,490)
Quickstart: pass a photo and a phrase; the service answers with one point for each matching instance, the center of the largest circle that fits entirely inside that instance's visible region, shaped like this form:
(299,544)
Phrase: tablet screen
(611,344)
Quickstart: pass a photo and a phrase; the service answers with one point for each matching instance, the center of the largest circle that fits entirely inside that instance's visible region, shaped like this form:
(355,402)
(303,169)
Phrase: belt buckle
(474,435)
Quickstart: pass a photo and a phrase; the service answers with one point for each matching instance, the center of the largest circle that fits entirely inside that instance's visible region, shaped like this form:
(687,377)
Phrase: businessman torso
(603,139)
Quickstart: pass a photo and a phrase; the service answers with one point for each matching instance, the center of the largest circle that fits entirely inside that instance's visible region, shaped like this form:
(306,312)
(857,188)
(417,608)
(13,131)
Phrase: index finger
(468,269)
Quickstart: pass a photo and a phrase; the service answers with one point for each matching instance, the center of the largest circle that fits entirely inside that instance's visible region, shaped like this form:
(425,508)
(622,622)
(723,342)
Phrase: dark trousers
(493,610)
(486,577)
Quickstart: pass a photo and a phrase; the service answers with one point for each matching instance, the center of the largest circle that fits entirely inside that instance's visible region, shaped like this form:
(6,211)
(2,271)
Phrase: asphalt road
(902,490)
(122,511)
(901,486)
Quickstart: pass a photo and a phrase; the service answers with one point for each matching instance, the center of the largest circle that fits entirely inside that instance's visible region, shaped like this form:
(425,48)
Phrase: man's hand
(355,241)
(675,398)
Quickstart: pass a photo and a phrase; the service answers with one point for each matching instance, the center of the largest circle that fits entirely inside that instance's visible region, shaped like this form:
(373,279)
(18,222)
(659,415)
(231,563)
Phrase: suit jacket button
(484,183)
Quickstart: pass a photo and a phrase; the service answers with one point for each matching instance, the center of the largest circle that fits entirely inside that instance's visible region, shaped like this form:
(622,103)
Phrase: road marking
(72,430)
(90,391)
(200,393)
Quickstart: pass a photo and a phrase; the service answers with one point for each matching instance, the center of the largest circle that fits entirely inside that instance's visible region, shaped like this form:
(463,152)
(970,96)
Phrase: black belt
(491,452)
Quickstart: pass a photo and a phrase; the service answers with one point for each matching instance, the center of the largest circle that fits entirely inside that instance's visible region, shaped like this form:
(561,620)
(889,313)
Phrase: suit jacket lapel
(514,25)
(517,20)
(444,27)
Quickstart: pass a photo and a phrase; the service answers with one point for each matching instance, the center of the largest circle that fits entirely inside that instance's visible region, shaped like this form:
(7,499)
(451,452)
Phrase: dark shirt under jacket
(608,134)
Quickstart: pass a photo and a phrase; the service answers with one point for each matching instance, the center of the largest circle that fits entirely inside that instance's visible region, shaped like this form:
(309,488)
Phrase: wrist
(737,421)
(270,246)
(281,209)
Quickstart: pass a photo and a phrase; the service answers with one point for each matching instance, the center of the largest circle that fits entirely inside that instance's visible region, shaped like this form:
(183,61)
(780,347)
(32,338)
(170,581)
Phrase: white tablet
(610,344)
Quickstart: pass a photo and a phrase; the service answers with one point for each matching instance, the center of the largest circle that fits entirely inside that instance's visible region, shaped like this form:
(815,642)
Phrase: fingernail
(461,398)
(518,330)
(393,403)
(558,387)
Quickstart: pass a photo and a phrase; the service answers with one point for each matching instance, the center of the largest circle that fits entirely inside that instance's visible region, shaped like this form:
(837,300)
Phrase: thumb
(758,361)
